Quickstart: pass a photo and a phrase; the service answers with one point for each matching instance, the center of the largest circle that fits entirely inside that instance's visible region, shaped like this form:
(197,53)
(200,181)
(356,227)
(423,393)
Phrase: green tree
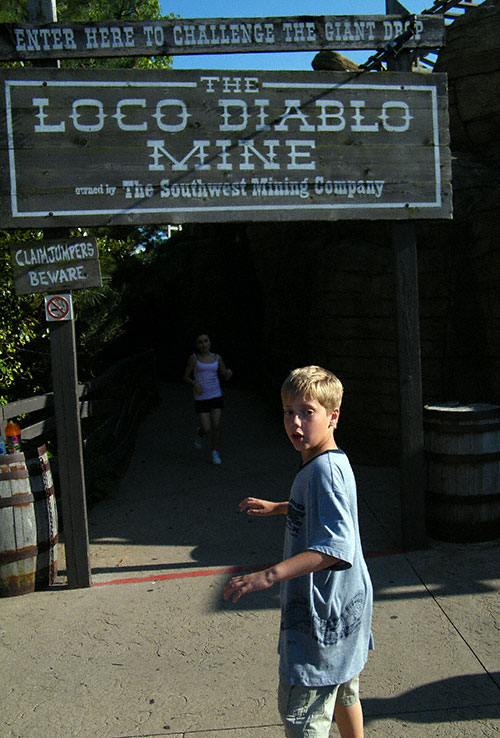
(16,11)
(101,314)
(21,328)
(123,10)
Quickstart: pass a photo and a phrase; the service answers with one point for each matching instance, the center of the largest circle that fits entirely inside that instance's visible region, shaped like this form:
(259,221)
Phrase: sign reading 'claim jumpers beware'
(101,147)
(46,266)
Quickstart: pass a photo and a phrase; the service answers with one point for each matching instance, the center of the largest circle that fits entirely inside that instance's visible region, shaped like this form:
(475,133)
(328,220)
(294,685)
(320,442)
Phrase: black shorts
(204,406)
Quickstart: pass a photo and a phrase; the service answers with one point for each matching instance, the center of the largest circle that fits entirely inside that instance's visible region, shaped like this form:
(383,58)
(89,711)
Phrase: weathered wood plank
(28,405)
(52,265)
(38,429)
(102,147)
(212,35)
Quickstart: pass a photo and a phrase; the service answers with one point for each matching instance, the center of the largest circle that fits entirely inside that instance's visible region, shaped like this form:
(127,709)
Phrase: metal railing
(450,9)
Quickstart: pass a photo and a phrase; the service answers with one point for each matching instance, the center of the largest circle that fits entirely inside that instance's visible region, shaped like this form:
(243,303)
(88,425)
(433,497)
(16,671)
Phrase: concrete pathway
(152,649)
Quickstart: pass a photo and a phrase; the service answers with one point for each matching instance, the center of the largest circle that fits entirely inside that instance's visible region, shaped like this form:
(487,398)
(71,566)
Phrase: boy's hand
(254,506)
(238,586)
(303,563)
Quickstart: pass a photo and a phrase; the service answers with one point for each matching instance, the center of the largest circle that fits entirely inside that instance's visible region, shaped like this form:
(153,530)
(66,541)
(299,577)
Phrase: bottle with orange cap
(12,437)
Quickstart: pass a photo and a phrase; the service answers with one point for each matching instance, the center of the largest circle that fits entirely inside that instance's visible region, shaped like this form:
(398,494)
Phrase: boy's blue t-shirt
(326,616)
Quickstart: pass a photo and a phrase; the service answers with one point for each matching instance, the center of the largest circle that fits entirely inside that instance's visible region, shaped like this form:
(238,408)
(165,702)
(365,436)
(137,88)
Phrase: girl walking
(202,372)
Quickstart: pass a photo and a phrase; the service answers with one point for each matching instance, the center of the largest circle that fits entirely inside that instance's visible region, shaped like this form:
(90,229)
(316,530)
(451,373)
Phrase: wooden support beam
(412,468)
(65,386)
(412,464)
(69,446)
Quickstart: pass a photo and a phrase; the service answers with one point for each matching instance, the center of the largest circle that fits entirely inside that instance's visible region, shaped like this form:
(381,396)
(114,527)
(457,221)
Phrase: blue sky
(263,8)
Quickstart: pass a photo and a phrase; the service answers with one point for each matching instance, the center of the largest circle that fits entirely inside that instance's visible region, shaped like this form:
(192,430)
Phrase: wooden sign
(101,147)
(213,35)
(48,266)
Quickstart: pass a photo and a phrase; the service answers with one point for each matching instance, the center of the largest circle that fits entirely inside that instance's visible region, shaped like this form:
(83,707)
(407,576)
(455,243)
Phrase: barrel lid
(454,409)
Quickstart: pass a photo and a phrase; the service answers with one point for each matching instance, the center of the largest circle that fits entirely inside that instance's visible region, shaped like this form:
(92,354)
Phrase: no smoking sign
(58,307)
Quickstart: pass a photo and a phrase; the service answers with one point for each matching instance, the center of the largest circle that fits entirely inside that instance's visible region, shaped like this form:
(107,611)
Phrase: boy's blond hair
(314,383)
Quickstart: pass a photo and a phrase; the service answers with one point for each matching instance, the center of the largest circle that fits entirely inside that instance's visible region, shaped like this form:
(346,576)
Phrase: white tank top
(206,376)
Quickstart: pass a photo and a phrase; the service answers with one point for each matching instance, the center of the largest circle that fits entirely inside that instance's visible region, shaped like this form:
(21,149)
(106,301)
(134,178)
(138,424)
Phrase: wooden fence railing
(110,408)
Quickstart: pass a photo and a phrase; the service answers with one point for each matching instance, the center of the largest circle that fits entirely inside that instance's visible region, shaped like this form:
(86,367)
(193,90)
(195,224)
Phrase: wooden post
(65,386)
(412,465)
(412,469)
(69,446)
(42,11)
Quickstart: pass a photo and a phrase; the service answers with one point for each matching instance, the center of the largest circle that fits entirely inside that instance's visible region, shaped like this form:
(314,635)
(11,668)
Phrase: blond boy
(326,592)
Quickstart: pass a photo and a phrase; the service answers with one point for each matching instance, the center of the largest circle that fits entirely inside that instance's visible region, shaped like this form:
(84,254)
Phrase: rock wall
(471,58)
(343,311)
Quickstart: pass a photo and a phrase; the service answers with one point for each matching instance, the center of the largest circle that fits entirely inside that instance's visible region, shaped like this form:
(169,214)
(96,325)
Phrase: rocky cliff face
(343,314)
(471,58)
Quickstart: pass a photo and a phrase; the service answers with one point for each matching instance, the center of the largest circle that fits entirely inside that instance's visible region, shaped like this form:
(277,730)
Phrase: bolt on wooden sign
(131,146)
(48,266)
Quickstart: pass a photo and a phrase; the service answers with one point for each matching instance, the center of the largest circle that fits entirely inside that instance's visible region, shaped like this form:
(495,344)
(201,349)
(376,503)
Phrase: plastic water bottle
(13,437)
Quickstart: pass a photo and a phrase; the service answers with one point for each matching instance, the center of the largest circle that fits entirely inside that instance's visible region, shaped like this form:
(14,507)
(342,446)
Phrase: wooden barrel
(18,550)
(47,536)
(462,448)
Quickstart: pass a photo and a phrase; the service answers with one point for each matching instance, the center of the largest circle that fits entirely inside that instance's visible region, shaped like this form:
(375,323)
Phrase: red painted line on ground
(184,575)
(213,572)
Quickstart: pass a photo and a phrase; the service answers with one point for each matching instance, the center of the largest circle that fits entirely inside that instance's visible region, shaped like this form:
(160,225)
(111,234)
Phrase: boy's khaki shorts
(307,712)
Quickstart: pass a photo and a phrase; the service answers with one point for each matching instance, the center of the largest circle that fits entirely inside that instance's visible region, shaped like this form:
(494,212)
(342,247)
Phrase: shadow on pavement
(175,512)
(415,705)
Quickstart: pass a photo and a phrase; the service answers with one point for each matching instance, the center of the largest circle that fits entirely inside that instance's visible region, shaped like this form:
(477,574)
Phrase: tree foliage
(20,327)
(94,10)
(101,315)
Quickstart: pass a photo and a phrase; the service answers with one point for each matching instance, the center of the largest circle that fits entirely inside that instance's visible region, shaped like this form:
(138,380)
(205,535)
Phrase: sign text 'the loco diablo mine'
(101,147)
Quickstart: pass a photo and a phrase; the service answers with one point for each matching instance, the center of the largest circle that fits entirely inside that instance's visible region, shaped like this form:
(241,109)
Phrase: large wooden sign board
(102,147)
(212,36)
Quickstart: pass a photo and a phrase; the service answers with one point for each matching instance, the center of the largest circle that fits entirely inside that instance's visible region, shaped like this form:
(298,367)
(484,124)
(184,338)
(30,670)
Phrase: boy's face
(309,426)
